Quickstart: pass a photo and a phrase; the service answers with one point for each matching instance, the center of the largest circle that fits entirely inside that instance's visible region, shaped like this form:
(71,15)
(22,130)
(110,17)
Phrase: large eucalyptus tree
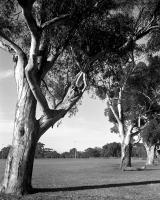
(38,35)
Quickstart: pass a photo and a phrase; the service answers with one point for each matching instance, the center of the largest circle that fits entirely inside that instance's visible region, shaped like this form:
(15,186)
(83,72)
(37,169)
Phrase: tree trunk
(19,165)
(124,147)
(150,154)
(158,155)
(128,155)
(125,156)
(123,153)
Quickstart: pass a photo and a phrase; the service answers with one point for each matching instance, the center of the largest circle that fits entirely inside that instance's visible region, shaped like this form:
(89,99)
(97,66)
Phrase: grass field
(90,179)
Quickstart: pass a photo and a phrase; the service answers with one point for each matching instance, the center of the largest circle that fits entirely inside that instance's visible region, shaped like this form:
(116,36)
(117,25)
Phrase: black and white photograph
(79,99)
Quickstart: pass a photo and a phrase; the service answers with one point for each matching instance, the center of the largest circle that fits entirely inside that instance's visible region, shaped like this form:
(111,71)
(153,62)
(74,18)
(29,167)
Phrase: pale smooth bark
(19,165)
(125,135)
(150,150)
(27,131)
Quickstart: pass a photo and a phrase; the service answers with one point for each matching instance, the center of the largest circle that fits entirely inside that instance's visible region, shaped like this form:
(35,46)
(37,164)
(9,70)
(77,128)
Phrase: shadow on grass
(91,187)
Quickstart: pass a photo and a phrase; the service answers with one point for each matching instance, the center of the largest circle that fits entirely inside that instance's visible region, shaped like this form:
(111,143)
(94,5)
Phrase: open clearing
(90,179)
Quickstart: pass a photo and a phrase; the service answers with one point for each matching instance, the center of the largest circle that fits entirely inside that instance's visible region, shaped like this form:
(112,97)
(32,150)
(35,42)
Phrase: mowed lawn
(90,179)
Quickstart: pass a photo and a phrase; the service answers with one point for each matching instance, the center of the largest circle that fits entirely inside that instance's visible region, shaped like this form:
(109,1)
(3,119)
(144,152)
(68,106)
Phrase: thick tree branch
(32,25)
(69,101)
(26,3)
(20,63)
(46,122)
(31,71)
(31,22)
(20,73)
(11,44)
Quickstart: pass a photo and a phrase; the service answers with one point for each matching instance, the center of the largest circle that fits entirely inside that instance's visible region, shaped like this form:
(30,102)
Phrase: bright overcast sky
(89,128)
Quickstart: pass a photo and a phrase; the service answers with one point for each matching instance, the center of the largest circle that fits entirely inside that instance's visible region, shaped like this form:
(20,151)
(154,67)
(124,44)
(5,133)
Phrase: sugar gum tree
(111,83)
(37,34)
(114,89)
(144,85)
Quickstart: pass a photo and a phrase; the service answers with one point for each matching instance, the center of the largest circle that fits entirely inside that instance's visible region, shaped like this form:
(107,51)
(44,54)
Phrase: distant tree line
(108,150)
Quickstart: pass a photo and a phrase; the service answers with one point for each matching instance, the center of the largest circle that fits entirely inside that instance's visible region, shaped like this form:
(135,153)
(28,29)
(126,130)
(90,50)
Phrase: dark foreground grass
(90,179)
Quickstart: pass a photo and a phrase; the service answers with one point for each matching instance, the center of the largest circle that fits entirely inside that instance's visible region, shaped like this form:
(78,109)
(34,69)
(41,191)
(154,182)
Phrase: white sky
(89,128)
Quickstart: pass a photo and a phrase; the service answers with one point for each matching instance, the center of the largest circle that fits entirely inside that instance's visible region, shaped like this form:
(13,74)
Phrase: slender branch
(145,95)
(131,40)
(45,84)
(65,93)
(145,32)
(150,23)
(4,47)
(114,113)
(139,17)
(54,21)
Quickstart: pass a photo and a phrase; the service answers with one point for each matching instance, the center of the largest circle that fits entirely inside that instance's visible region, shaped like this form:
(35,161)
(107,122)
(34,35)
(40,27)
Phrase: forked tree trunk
(150,150)
(19,165)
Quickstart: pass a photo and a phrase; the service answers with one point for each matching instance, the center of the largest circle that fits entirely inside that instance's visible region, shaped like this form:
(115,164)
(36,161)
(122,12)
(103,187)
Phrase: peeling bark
(126,146)
(19,165)
(125,156)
